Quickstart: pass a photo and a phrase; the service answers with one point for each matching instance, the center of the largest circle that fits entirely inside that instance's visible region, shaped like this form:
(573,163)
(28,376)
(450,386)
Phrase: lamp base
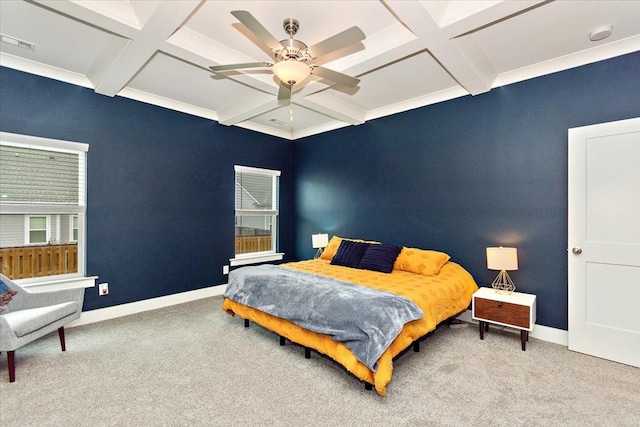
(318,253)
(503,283)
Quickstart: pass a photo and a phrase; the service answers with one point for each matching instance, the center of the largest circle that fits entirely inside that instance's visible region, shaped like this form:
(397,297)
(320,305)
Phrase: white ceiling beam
(451,43)
(164,21)
(122,58)
(108,55)
(421,23)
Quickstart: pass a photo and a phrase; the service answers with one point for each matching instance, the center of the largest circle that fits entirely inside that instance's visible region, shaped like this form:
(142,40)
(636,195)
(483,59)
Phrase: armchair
(31,315)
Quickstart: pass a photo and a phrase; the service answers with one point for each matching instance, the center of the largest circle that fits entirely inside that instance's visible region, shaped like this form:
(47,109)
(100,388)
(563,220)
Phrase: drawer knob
(499,303)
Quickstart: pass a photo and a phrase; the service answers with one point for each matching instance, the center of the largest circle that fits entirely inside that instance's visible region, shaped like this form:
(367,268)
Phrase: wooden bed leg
(368,386)
(416,346)
(282,341)
(246,323)
(307,353)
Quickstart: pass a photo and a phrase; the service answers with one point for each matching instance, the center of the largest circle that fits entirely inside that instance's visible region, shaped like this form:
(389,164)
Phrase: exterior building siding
(12,230)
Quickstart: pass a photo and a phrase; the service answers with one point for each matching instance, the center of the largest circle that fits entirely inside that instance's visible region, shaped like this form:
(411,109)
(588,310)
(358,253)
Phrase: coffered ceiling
(415,53)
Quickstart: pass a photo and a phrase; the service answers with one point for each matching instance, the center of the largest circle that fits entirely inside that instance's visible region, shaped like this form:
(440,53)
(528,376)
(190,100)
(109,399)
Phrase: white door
(604,240)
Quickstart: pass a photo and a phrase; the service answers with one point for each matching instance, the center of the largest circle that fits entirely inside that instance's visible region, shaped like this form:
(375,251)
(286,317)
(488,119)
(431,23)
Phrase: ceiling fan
(291,55)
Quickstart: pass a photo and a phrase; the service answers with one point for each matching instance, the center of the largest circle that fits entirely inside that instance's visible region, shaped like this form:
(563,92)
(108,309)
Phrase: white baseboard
(107,313)
(544,333)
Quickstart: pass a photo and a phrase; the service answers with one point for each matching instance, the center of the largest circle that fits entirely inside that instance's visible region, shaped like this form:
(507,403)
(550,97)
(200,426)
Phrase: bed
(438,287)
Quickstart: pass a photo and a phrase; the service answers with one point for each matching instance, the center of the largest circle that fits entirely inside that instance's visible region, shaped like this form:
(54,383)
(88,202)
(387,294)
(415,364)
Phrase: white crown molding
(32,67)
(578,59)
(418,102)
(160,101)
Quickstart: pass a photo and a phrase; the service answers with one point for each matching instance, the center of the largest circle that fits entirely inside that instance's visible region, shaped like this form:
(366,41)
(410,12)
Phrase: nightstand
(515,310)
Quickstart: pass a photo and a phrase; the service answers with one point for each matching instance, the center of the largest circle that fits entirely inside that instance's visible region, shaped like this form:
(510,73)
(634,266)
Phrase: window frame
(262,256)
(67,280)
(28,229)
(73,229)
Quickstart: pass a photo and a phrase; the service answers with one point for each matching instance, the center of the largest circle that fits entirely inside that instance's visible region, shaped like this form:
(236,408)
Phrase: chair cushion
(24,322)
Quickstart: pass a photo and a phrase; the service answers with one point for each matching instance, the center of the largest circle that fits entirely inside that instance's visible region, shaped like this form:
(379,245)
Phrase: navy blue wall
(466,174)
(160,184)
(457,176)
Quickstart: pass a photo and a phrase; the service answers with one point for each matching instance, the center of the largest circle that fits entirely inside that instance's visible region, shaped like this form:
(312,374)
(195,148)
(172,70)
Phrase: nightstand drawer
(502,312)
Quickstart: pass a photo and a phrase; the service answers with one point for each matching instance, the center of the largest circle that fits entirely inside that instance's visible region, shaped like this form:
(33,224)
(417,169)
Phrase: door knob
(576,251)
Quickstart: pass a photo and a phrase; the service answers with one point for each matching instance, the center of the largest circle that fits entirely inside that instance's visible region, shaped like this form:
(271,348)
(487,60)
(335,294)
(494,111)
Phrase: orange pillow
(421,261)
(331,249)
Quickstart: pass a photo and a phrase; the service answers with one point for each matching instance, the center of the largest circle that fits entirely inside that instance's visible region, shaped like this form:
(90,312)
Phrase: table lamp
(319,241)
(502,259)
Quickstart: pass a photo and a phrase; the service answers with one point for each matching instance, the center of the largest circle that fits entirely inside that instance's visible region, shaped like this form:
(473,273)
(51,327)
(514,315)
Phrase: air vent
(278,122)
(17,42)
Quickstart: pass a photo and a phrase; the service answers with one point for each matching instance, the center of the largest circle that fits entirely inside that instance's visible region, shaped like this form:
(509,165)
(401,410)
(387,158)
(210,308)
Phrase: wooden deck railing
(252,244)
(48,260)
(37,261)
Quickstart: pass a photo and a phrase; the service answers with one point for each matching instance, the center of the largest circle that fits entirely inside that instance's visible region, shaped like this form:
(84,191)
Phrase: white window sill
(255,259)
(53,284)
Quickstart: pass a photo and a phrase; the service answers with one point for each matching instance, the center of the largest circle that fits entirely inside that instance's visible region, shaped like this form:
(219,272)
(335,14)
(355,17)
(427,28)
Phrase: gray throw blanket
(363,319)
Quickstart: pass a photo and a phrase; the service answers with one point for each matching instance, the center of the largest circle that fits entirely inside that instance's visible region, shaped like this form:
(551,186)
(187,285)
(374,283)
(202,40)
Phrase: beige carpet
(194,365)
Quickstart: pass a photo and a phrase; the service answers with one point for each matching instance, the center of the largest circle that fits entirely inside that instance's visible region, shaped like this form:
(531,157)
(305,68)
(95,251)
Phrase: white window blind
(39,175)
(257,191)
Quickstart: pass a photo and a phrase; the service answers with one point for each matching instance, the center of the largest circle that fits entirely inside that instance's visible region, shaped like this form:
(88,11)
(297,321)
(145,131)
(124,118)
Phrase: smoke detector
(600,33)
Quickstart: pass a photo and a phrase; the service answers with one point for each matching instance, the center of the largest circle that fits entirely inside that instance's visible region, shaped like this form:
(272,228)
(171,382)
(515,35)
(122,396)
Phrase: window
(38,229)
(73,227)
(256,211)
(42,208)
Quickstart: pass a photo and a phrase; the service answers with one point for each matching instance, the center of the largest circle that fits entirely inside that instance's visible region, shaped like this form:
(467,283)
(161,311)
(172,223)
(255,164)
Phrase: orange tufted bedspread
(439,297)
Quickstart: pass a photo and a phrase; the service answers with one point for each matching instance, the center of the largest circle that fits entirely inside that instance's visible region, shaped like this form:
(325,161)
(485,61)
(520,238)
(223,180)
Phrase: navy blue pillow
(349,253)
(380,258)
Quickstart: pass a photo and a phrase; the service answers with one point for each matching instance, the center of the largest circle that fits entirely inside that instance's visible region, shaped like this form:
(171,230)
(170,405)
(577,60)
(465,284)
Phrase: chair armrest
(30,299)
(6,333)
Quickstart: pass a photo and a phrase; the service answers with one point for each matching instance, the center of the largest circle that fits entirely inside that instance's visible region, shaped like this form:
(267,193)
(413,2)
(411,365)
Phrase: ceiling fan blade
(284,94)
(335,76)
(341,40)
(256,28)
(240,66)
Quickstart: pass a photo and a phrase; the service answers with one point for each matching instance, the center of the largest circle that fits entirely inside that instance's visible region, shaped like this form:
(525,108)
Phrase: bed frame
(415,345)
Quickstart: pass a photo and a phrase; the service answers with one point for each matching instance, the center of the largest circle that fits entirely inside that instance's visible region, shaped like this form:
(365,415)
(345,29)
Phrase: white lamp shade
(502,258)
(319,240)
(291,72)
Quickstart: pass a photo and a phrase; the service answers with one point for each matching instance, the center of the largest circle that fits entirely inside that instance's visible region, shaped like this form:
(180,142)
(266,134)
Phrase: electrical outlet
(225,269)
(103,289)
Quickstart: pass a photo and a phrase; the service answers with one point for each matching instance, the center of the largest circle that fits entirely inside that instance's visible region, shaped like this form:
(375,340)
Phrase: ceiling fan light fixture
(291,72)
